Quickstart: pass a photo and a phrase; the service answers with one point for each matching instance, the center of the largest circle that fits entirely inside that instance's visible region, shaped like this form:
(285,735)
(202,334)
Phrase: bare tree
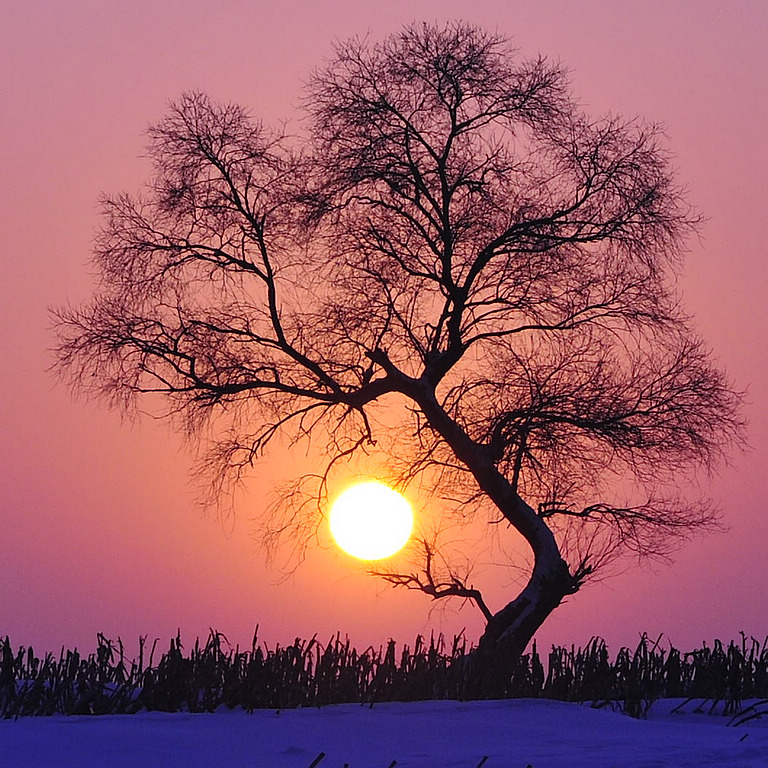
(455,239)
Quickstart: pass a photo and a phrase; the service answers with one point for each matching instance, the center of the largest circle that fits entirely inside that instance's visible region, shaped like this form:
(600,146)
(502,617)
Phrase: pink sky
(99,531)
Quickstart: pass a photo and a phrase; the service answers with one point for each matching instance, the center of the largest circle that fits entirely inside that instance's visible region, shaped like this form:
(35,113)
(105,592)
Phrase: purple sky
(99,531)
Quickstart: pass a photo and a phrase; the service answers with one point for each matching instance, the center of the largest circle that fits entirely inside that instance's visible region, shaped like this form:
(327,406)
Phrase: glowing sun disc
(370,521)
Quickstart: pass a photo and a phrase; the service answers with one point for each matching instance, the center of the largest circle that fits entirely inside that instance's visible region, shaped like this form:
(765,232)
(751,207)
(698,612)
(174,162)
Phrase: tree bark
(511,629)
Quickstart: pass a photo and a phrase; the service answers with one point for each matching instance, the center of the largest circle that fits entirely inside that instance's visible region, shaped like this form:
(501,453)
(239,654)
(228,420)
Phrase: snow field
(431,734)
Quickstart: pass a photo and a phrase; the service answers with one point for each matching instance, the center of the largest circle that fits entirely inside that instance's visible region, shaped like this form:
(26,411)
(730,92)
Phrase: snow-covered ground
(433,734)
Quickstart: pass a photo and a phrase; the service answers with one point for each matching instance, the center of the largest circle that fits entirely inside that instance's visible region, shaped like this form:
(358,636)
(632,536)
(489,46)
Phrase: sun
(370,521)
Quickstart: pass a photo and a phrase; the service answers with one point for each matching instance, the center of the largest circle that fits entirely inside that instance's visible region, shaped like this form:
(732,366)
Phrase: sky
(100,530)
(414,735)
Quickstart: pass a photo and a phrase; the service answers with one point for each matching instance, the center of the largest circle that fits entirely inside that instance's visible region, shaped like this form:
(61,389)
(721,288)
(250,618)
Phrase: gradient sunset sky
(99,528)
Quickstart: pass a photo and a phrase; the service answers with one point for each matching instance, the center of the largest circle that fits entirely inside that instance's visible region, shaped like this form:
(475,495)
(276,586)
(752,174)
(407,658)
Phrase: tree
(453,239)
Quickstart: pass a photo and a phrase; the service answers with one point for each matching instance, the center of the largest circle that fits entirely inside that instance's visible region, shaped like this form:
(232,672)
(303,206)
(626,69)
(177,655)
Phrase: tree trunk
(510,630)
(495,667)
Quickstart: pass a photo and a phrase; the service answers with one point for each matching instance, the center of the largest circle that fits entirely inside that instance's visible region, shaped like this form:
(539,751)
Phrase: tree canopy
(451,237)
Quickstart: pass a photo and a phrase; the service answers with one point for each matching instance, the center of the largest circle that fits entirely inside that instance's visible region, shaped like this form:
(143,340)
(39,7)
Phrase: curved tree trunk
(509,630)
(512,628)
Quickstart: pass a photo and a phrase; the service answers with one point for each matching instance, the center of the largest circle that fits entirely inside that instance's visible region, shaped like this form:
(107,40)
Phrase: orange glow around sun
(370,521)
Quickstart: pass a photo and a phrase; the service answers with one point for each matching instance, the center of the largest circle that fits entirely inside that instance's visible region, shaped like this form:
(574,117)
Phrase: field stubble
(312,674)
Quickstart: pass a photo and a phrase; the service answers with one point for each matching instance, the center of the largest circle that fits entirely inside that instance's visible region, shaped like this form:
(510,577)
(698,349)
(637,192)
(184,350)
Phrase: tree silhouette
(453,239)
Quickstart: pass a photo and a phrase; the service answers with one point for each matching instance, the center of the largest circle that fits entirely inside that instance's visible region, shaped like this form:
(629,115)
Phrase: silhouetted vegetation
(310,674)
(452,239)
